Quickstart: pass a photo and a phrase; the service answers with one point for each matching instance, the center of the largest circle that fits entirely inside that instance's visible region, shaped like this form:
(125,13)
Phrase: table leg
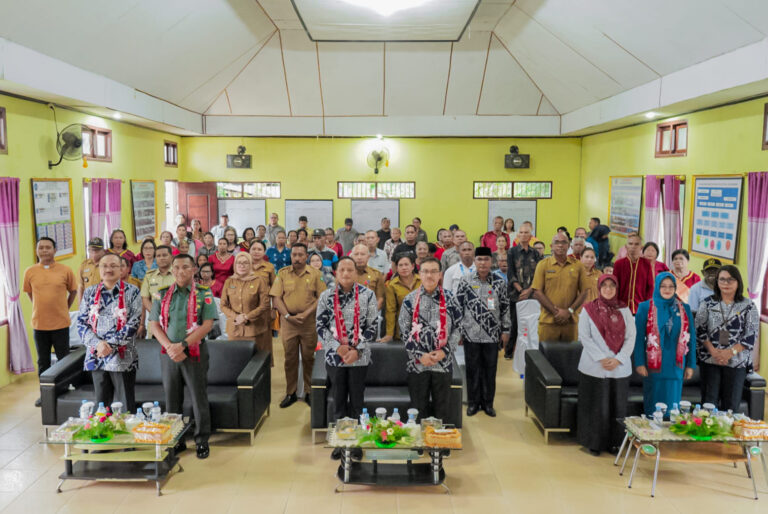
(749,468)
(626,455)
(634,467)
(58,486)
(346,455)
(437,464)
(765,468)
(621,449)
(655,471)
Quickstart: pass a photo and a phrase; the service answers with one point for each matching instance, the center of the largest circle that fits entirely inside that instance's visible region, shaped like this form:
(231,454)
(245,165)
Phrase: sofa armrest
(457,380)
(754,381)
(319,392)
(254,368)
(254,390)
(319,373)
(754,394)
(55,381)
(542,388)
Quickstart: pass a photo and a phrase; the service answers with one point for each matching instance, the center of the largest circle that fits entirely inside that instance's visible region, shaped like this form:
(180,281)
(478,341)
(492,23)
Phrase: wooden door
(197,200)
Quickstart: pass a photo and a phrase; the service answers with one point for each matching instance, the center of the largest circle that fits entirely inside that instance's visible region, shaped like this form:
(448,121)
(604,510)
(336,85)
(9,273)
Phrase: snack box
(442,437)
(175,421)
(750,429)
(156,433)
(67,431)
(346,428)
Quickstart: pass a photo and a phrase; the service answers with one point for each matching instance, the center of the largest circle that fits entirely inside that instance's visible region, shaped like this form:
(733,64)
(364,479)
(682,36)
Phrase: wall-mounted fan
(69,142)
(378,157)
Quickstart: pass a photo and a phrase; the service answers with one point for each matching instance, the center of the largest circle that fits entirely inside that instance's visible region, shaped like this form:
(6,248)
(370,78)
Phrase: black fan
(69,144)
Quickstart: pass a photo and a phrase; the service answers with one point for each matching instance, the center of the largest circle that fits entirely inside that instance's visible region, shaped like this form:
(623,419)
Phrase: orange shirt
(50,290)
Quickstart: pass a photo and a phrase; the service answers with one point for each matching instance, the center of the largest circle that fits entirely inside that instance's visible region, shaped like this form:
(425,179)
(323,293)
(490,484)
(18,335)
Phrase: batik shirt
(429,319)
(521,266)
(485,308)
(106,329)
(326,323)
(740,320)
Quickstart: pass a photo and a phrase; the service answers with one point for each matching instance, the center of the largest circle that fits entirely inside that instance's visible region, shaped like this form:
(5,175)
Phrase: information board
(52,210)
(143,202)
(367,214)
(319,213)
(626,198)
(518,210)
(715,216)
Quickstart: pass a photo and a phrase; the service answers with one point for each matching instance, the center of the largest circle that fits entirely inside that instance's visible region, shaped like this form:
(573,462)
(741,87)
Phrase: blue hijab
(666,308)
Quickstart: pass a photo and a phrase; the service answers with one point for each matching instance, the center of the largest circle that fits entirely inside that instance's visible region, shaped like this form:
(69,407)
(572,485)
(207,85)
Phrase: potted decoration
(385,433)
(100,428)
(700,428)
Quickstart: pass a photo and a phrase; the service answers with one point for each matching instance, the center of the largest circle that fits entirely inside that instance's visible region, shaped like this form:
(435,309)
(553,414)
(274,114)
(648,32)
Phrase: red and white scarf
(121,314)
(416,326)
(165,309)
(653,337)
(338,317)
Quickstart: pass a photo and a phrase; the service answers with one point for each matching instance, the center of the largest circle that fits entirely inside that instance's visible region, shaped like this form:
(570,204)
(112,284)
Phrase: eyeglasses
(112,266)
(429,272)
(726,280)
(560,242)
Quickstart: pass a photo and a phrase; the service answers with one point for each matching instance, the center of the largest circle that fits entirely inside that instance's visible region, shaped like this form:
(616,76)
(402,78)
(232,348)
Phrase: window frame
(673,127)
(377,195)
(511,189)
(242,185)
(515,197)
(108,144)
(174,163)
(3,131)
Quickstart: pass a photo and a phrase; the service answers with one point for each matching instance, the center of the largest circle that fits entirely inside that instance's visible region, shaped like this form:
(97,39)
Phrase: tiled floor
(505,467)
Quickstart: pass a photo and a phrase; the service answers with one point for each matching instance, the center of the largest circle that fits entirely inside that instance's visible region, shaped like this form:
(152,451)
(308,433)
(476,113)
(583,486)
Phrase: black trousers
(482,359)
(47,339)
(111,386)
(601,402)
(347,383)
(430,383)
(509,349)
(722,386)
(193,374)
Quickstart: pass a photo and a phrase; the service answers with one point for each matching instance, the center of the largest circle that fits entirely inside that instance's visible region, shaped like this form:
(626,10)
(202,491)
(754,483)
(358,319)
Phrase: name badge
(87,270)
(551,271)
(491,304)
(233,286)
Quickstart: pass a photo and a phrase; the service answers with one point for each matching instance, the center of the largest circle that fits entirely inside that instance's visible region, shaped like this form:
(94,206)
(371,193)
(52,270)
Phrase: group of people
(349,290)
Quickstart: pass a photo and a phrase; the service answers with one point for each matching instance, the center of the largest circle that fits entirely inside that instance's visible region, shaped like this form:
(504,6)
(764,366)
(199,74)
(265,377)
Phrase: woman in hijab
(607,331)
(244,300)
(665,344)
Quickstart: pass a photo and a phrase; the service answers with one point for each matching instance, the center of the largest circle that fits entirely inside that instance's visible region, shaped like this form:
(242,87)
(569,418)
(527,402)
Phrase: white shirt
(698,293)
(453,274)
(595,348)
(379,261)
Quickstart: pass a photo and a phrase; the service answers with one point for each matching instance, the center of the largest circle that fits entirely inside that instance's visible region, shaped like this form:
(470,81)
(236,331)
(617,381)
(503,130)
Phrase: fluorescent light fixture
(387,7)
(117,115)
(378,136)
(650,115)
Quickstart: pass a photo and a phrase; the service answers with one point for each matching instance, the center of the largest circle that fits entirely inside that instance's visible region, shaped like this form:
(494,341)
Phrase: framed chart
(625,197)
(716,216)
(52,213)
(144,205)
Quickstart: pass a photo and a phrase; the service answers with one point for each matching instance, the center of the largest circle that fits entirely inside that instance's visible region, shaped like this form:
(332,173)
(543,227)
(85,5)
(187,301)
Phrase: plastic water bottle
(364,418)
(411,420)
(658,415)
(86,409)
(156,412)
(697,410)
(140,414)
(395,415)
(381,413)
(674,414)
(101,410)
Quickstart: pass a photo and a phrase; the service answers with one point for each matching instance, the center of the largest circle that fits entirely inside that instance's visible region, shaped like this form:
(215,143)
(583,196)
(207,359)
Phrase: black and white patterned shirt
(485,308)
(326,323)
(741,324)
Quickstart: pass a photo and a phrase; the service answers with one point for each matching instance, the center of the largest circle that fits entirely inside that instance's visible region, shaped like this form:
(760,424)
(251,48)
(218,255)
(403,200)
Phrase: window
(97,144)
(493,190)
(376,190)
(672,139)
(765,127)
(171,154)
(248,190)
(532,190)
(3,136)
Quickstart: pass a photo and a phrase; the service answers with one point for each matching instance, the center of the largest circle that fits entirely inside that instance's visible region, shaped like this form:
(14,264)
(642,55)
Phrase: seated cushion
(68,403)
(227,360)
(388,366)
(569,392)
(223,403)
(568,409)
(150,393)
(149,362)
(386,394)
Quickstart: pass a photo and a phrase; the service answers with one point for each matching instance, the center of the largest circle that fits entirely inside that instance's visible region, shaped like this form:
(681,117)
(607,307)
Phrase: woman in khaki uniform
(264,270)
(244,300)
(405,282)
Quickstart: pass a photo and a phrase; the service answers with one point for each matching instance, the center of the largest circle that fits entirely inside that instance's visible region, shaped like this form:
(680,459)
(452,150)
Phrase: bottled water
(140,414)
(395,415)
(101,410)
(415,413)
(674,414)
(697,410)
(156,412)
(658,415)
(364,418)
(411,420)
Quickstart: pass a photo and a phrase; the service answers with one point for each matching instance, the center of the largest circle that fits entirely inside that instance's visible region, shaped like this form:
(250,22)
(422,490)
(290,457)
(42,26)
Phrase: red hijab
(606,316)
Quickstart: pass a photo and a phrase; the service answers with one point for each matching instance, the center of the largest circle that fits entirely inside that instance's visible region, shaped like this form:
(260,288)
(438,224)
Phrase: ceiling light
(117,115)
(387,7)
(650,115)
(378,136)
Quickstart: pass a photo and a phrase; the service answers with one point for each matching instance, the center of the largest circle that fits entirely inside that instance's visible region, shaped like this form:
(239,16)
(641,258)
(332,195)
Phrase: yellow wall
(443,169)
(137,154)
(725,140)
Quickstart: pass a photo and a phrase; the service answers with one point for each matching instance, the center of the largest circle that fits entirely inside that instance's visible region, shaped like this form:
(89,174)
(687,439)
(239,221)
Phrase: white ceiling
(250,68)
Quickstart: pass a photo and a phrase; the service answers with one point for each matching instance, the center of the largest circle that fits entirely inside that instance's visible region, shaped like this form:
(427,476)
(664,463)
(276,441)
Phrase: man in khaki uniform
(295,294)
(155,280)
(366,275)
(560,285)
(88,274)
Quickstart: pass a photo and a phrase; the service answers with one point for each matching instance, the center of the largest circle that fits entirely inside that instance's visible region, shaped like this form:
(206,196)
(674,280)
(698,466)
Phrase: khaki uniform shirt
(299,292)
(395,293)
(373,280)
(561,283)
(153,282)
(249,297)
(88,275)
(266,270)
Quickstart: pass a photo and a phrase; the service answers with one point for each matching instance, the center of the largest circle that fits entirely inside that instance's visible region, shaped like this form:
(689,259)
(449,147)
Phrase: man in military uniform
(88,274)
(155,280)
(295,294)
(180,320)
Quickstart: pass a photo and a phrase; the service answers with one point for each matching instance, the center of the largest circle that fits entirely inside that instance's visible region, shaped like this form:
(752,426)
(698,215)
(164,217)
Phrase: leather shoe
(472,409)
(289,400)
(336,454)
(490,411)
(38,402)
(203,451)
(180,447)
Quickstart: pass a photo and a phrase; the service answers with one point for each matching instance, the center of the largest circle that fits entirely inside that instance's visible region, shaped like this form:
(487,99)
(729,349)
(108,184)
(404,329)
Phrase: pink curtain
(19,356)
(113,209)
(757,232)
(652,208)
(98,207)
(673,224)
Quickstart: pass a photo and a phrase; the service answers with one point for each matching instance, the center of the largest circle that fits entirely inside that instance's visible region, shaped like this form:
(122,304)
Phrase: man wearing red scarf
(180,320)
(635,274)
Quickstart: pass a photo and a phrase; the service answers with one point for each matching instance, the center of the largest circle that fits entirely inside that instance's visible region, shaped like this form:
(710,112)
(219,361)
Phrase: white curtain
(652,218)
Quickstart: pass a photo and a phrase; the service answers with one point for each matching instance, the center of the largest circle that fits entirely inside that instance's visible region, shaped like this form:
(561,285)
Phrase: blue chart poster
(716,214)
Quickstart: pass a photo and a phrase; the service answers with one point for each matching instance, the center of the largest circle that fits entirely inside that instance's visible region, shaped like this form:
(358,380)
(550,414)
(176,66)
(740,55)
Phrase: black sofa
(386,385)
(239,385)
(552,388)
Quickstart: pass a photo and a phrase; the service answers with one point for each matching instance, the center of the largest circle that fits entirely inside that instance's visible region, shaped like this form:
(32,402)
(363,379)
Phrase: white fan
(377,157)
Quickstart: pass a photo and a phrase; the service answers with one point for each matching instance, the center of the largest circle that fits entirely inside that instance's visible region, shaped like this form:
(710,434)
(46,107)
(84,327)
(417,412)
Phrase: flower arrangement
(384,433)
(702,427)
(100,428)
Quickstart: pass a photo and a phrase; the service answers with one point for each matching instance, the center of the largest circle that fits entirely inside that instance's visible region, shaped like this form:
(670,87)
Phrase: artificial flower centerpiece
(385,433)
(100,428)
(701,428)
